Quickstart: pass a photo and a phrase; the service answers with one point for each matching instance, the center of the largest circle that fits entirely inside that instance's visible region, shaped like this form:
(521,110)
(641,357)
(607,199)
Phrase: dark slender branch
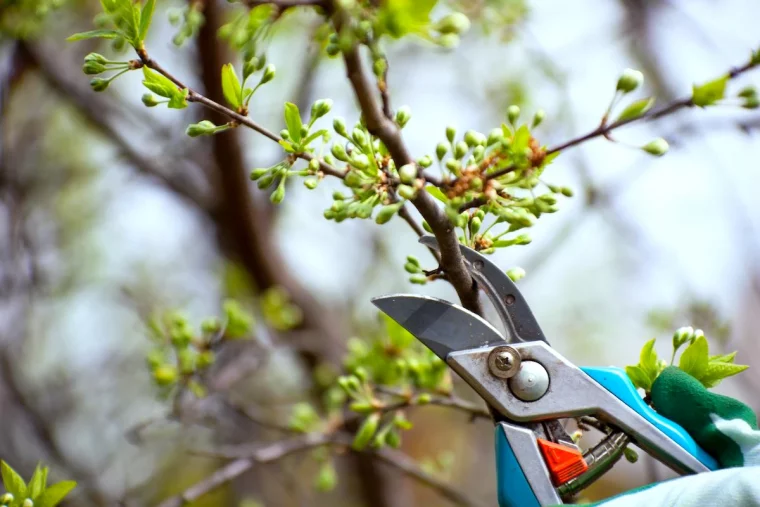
(278,450)
(194,96)
(605,129)
(388,132)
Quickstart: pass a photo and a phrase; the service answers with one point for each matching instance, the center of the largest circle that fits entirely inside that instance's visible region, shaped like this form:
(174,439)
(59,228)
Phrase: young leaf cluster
(35,493)
(297,139)
(123,21)
(695,360)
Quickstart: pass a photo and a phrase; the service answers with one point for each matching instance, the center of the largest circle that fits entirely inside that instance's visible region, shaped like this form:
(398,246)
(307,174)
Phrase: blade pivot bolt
(504,362)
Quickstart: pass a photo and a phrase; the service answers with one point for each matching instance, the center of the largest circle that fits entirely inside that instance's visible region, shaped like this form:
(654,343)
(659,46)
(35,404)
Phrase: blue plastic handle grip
(617,382)
(513,488)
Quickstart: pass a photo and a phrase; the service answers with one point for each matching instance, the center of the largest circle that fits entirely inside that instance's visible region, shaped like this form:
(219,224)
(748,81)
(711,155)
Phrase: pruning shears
(532,391)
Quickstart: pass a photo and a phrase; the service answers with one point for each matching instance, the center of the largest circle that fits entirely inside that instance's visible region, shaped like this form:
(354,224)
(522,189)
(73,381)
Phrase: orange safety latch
(564,462)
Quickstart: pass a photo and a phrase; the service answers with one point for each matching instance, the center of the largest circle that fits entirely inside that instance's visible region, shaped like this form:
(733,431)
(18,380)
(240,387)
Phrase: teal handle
(617,382)
(513,488)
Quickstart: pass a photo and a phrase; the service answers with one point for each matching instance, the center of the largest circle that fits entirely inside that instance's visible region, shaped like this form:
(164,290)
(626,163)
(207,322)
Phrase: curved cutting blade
(510,304)
(440,325)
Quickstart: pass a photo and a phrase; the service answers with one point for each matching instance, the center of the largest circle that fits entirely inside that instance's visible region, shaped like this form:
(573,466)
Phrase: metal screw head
(504,362)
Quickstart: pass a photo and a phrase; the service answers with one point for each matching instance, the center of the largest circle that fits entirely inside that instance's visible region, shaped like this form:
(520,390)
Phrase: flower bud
(204,127)
(427,227)
(424,399)
(93,68)
(407,173)
(494,136)
(379,67)
(6,499)
(751,103)
(258,173)
(332,50)
(403,115)
(339,152)
(471,138)
(165,375)
(538,117)
(425,161)
(340,126)
(453,165)
(442,149)
(747,92)
(456,23)
(406,192)
(360,139)
(461,149)
(419,279)
(630,455)
(95,57)
(327,478)
(266,180)
(28,503)
(268,75)
(360,161)
(566,191)
(629,80)
(321,108)
(99,84)
(387,212)
(279,193)
(149,100)
(513,113)
(451,133)
(448,40)
(475,224)
(681,336)
(311,183)
(657,147)
(516,274)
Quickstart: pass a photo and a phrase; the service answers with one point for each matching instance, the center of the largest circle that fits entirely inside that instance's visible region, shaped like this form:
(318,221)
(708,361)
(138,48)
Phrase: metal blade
(511,306)
(440,325)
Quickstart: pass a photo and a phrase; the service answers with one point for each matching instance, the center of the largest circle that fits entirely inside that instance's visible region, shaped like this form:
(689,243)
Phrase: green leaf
(401,17)
(287,146)
(366,432)
(159,84)
(179,99)
(12,481)
(437,193)
(293,121)
(313,136)
(717,371)
(648,360)
(640,379)
(636,109)
(694,359)
(231,86)
(709,93)
(37,482)
(722,358)
(94,34)
(53,495)
(521,139)
(146,15)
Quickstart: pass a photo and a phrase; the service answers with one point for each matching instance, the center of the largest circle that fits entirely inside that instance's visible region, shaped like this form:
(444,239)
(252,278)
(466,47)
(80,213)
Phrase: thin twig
(244,459)
(194,96)
(686,102)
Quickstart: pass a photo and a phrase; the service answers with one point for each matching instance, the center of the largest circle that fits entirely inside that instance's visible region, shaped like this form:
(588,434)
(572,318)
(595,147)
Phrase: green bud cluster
(189,19)
(95,64)
(179,353)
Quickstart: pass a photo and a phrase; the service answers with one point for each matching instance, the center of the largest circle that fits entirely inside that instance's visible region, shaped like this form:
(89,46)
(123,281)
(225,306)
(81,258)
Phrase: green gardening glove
(723,427)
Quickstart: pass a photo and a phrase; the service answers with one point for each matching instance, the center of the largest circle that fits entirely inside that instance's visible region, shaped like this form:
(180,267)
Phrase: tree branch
(388,132)
(275,451)
(605,129)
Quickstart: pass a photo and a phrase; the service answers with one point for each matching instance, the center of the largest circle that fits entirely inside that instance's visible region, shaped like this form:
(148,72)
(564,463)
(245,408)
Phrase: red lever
(564,462)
